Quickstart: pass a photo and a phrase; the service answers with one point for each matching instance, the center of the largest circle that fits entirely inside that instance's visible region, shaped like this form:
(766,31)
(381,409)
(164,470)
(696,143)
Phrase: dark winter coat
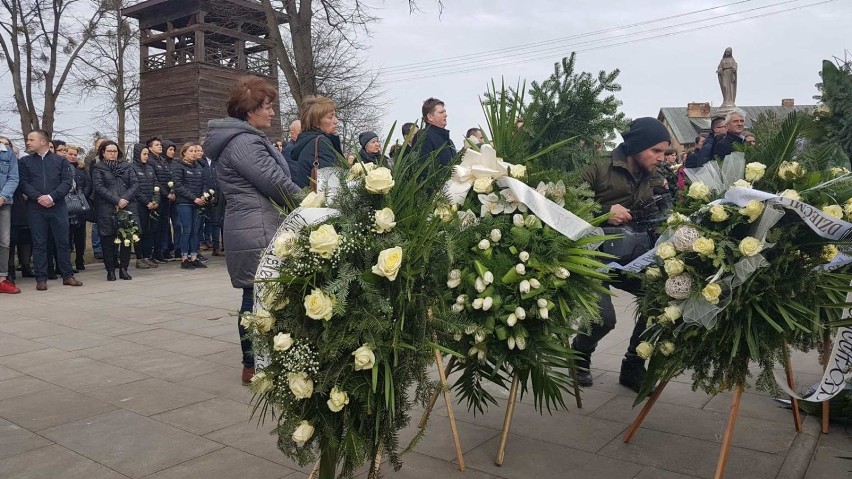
(146,176)
(83,182)
(163,173)
(189,182)
(431,139)
(51,175)
(254,178)
(725,145)
(303,154)
(376,158)
(112,181)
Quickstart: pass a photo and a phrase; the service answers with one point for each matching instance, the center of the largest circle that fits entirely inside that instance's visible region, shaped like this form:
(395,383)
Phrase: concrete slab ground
(141,379)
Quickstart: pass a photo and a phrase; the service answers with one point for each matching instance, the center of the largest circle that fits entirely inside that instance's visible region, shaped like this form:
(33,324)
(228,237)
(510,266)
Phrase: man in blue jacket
(8,184)
(45,179)
(435,137)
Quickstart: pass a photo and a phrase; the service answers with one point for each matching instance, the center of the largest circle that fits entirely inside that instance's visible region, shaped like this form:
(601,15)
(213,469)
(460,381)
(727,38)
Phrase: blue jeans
(44,221)
(96,240)
(163,235)
(188,220)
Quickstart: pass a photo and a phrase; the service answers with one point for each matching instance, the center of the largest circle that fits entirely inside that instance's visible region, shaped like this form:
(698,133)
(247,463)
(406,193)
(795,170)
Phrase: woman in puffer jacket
(115,189)
(147,201)
(189,188)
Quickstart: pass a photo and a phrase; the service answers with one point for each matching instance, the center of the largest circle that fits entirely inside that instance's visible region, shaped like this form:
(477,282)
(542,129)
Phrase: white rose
(385,220)
(703,246)
(484,244)
(511,320)
(444,212)
(752,209)
(206,194)
(303,433)
(517,171)
(754,171)
(671,313)
(496,235)
(211,192)
(488,277)
(357,170)
(534,283)
(337,399)
(833,210)
(674,267)
(483,185)
(676,218)
(379,181)
(127,242)
(313,200)
(790,170)
(170,184)
(260,383)
(282,342)
(792,194)
(324,241)
(667,348)
(477,303)
(711,292)
(520,269)
(645,350)
(364,358)
(666,251)
(388,263)
(300,385)
(520,313)
(653,272)
(518,220)
(285,244)
(829,252)
(524,256)
(741,183)
(718,213)
(487,303)
(135,239)
(156,189)
(524,287)
(319,305)
(750,246)
(698,190)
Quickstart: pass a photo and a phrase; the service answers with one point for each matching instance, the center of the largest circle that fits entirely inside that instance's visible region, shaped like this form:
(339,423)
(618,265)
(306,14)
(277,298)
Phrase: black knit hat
(643,134)
(366,137)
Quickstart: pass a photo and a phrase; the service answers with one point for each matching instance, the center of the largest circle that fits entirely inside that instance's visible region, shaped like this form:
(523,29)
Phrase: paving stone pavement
(141,379)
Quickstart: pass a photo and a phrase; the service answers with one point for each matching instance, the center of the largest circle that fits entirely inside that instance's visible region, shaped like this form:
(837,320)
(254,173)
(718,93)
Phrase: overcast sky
(779,55)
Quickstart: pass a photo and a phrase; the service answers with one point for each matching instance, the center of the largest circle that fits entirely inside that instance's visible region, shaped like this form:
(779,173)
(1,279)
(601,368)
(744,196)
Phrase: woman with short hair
(189,188)
(318,143)
(255,181)
(115,190)
(147,202)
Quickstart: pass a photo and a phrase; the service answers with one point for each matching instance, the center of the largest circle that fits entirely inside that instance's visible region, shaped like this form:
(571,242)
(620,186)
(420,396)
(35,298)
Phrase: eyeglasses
(110,151)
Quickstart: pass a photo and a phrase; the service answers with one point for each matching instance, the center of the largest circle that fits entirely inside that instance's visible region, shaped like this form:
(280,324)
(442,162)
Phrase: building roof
(685,129)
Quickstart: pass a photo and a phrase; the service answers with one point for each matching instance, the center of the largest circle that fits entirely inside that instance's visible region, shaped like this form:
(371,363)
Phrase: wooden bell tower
(191,54)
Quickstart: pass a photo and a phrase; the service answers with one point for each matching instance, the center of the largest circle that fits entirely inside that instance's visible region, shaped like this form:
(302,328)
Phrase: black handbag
(76,202)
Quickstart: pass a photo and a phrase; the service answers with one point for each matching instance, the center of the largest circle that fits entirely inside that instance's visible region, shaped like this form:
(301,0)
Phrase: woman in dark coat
(254,178)
(190,194)
(147,201)
(115,189)
(371,149)
(318,139)
(77,223)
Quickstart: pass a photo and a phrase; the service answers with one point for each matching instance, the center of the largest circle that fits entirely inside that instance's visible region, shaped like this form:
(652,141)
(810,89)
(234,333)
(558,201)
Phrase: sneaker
(202,258)
(8,287)
(187,264)
(142,264)
(198,264)
(152,262)
(584,378)
(632,373)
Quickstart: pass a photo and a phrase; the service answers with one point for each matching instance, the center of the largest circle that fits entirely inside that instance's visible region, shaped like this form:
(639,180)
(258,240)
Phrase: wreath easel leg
(826,356)
(444,387)
(729,433)
(644,412)
(507,421)
(788,367)
(434,399)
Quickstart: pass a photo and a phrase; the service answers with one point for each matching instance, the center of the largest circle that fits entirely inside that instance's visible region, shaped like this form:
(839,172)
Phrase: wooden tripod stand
(445,389)
(722,462)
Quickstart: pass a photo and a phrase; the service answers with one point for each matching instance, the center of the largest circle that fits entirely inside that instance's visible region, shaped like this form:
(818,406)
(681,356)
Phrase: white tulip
(477,303)
(521,269)
(520,313)
(457,308)
(535,284)
(511,342)
(487,303)
(524,287)
(462,299)
(542,303)
(512,319)
(496,235)
(543,313)
(479,337)
(562,273)
(518,220)
(484,244)
(488,278)
(480,285)
(524,256)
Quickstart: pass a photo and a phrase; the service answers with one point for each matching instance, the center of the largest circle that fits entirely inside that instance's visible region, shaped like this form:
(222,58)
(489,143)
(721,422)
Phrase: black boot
(110,275)
(632,372)
(122,273)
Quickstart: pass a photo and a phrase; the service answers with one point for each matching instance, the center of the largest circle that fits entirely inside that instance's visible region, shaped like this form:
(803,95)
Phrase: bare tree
(103,72)
(40,41)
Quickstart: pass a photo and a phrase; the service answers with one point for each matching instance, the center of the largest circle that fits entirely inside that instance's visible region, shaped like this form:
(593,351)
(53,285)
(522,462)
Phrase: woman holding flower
(190,194)
(255,180)
(115,188)
(147,201)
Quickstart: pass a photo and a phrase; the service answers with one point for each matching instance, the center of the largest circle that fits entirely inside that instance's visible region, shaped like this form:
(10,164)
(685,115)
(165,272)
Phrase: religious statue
(727,73)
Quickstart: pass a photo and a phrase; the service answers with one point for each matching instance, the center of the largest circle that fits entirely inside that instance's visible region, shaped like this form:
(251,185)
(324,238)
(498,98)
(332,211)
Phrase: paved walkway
(142,379)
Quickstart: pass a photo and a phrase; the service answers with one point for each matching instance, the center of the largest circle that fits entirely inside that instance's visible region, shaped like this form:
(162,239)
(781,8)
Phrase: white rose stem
(788,366)
(507,421)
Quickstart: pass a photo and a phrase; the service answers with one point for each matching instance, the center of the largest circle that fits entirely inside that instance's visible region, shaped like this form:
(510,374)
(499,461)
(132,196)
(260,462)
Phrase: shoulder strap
(315,169)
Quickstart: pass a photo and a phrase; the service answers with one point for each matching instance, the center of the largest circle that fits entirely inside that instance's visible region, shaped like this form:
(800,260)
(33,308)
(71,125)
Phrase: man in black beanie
(627,181)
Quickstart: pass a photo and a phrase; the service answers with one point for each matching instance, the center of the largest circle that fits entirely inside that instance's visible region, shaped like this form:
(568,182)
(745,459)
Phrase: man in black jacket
(435,137)
(736,125)
(45,179)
